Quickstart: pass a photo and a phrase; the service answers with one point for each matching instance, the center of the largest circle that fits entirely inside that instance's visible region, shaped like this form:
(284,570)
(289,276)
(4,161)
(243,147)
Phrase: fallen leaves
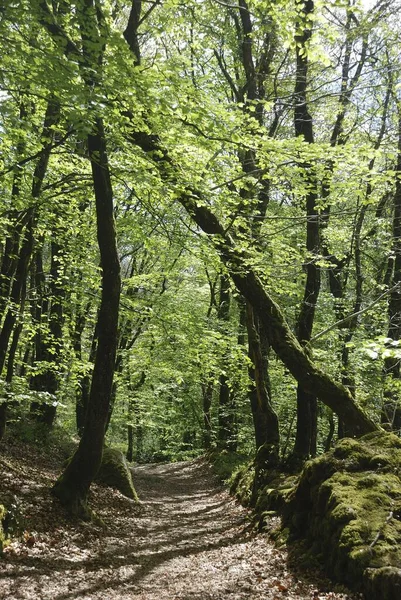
(187,541)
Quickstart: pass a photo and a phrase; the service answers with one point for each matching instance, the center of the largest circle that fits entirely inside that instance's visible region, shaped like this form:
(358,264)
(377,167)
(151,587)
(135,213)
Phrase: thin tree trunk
(306,433)
(18,287)
(134,411)
(48,348)
(391,411)
(226,413)
(207,397)
(83,391)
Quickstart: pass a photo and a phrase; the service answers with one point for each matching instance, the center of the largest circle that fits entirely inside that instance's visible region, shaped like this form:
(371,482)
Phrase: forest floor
(187,540)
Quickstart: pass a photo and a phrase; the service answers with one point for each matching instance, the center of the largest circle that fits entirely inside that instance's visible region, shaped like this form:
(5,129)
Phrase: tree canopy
(200,225)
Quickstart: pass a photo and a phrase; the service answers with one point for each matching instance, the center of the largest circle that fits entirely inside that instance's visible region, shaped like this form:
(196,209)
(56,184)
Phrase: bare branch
(355,314)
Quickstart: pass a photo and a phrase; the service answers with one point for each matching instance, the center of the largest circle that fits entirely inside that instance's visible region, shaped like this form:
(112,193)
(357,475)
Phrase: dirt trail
(201,546)
(188,541)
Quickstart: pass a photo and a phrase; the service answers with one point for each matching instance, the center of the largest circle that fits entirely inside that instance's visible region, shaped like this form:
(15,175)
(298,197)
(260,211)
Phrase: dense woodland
(200,226)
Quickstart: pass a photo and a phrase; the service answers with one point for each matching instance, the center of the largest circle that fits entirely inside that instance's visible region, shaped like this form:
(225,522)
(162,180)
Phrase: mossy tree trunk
(249,284)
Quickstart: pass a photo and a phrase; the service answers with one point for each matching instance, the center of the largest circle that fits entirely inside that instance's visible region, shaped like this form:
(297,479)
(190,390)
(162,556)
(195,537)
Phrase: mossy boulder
(241,484)
(114,472)
(347,506)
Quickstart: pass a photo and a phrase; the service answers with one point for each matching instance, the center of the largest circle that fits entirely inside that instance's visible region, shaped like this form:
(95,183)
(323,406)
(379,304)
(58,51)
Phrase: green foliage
(192,89)
(227,464)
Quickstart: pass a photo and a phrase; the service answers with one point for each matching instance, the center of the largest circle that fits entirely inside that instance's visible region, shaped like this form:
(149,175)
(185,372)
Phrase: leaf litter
(187,540)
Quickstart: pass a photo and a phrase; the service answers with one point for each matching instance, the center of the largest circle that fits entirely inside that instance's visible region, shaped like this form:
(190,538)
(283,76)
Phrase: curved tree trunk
(73,485)
(249,284)
(239,266)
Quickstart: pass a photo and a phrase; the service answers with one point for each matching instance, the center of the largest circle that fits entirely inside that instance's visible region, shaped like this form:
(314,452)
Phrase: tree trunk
(83,391)
(391,411)
(226,413)
(134,411)
(305,439)
(17,291)
(48,351)
(10,257)
(207,397)
(264,416)
(73,485)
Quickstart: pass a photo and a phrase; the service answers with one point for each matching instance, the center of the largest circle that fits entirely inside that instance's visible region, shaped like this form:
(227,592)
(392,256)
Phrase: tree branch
(355,314)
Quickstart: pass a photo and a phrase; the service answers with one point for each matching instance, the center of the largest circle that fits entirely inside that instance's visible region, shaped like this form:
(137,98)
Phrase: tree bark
(265,419)
(305,439)
(391,411)
(73,485)
(226,413)
(48,348)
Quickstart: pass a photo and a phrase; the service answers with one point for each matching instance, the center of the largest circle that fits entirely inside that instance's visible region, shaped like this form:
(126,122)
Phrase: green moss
(114,472)
(280,536)
(343,513)
(347,506)
(242,484)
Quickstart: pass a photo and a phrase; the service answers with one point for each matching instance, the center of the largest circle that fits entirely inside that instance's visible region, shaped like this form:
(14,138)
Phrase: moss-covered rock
(268,500)
(347,506)
(114,472)
(241,483)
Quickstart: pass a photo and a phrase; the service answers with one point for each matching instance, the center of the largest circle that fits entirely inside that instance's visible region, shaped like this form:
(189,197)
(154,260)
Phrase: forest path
(188,540)
(194,543)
